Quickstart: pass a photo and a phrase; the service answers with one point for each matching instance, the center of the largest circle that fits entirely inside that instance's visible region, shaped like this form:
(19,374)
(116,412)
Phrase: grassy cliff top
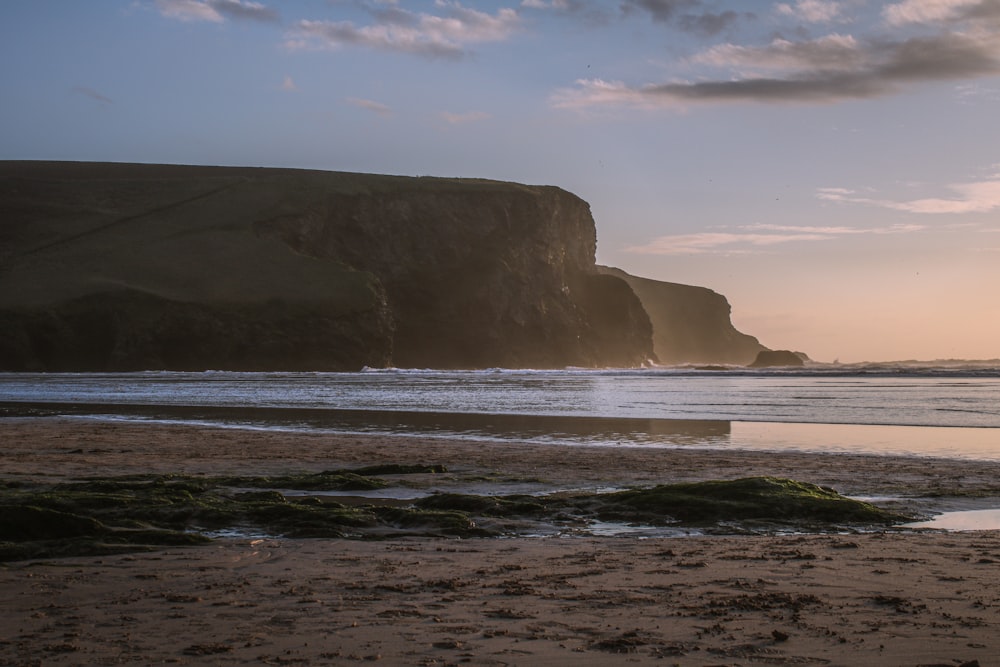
(185,233)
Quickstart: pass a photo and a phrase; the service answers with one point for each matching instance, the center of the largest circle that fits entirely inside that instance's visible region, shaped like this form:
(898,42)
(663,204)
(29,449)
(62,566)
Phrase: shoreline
(947,442)
(66,447)
(886,597)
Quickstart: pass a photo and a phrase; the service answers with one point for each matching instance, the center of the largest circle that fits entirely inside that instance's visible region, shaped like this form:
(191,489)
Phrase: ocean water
(950,411)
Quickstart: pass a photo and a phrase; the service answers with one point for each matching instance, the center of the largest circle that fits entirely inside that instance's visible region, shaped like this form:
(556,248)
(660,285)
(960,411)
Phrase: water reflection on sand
(972,443)
(961,521)
(926,441)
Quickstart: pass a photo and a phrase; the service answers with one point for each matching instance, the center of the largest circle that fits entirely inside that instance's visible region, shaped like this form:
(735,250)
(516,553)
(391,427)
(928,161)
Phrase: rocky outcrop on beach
(130,267)
(690,324)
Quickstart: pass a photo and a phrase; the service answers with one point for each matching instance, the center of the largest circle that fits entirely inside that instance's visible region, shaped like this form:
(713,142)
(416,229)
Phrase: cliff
(128,267)
(690,324)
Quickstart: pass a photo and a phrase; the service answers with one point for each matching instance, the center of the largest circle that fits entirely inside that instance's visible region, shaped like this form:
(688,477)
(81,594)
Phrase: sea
(943,410)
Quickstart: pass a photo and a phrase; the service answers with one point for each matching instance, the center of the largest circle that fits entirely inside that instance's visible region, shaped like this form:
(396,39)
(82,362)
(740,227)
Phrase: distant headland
(107,266)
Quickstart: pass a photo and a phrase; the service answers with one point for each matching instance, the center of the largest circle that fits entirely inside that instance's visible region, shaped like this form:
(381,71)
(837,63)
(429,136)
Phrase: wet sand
(896,598)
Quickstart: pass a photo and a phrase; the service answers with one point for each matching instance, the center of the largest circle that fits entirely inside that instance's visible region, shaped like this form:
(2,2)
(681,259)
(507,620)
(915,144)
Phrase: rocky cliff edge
(130,267)
(691,325)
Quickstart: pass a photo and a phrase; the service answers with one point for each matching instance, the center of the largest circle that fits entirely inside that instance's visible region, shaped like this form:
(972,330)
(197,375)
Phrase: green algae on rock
(334,480)
(359,479)
(770,499)
(104,515)
(500,506)
(29,531)
(135,512)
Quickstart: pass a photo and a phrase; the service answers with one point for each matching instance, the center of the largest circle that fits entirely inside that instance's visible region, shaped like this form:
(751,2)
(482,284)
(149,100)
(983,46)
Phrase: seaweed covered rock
(141,512)
(331,480)
(498,506)
(27,522)
(766,499)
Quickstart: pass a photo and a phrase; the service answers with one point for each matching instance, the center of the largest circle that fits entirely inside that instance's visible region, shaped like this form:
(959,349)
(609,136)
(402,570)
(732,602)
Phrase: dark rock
(478,273)
(516,505)
(131,267)
(400,469)
(770,358)
(25,522)
(691,325)
(627,642)
(768,499)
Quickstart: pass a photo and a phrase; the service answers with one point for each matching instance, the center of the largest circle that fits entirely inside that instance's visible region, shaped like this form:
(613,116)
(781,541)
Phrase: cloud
(827,69)
(663,11)
(588,12)
(716,242)
(215,11)
(370,105)
(834,52)
(674,13)
(468,117)
(189,10)
(92,94)
(546,4)
(399,30)
(749,239)
(974,197)
(812,11)
(709,24)
(928,11)
(288,84)
(594,13)
(243,9)
(969,93)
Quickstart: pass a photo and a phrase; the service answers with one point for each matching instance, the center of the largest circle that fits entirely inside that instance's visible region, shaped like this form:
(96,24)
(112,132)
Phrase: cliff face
(479,273)
(690,324)
(126,267)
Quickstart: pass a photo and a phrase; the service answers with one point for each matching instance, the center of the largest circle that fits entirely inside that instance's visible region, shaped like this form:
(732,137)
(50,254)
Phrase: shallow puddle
(393,493)
(966,520)
(616,529)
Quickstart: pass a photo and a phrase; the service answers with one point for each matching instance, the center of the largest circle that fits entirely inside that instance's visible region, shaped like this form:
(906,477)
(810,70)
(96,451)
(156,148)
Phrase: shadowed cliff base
(690,324)
(137,267)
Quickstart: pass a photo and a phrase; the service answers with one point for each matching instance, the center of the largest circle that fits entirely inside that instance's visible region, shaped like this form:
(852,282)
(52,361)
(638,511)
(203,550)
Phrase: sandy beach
(882,598)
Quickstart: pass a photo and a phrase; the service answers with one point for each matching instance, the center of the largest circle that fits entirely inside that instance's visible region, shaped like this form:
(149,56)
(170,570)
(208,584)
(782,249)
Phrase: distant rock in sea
(771,358)
(119,267)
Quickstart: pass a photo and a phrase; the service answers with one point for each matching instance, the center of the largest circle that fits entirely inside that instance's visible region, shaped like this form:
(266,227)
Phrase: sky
(831,166)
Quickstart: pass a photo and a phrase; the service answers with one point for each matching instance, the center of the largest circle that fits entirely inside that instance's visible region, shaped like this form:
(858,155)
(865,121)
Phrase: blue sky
(831,166)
